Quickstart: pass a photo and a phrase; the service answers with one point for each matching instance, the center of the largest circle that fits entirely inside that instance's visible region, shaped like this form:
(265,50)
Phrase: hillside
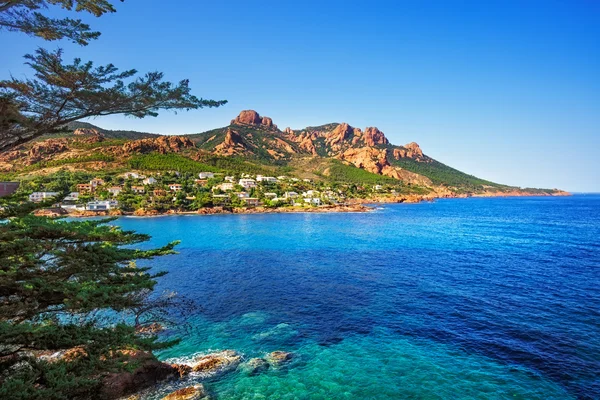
(253,144)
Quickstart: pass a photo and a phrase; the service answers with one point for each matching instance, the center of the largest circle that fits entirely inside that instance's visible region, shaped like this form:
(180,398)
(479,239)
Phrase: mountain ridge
(333,151)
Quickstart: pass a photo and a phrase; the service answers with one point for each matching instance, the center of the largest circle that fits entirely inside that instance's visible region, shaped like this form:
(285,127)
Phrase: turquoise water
(457,299)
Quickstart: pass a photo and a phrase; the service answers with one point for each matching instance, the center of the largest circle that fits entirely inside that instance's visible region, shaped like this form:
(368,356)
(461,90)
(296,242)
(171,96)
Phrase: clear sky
(505,90)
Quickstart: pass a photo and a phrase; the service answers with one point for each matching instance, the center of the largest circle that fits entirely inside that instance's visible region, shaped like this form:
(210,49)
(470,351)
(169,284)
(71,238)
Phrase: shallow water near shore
(463,298)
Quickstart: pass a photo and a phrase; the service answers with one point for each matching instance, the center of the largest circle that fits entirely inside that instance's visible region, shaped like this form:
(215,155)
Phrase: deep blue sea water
(457,299)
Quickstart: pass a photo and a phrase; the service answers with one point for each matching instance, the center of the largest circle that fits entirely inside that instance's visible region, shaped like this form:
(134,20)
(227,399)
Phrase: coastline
(352,206)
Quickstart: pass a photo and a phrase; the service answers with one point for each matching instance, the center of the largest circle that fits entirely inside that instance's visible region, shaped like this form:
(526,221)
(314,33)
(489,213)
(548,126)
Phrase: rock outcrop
(46,148)
(232,144)
(187,393)
(255,366)
(215,364)
(86,132)
(373,136)
(161,144)
(279,357)
(411,150)
(150,371)
(251,117)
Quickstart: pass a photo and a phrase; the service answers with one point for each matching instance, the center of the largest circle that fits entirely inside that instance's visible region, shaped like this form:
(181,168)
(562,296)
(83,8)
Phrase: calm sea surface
(457,299)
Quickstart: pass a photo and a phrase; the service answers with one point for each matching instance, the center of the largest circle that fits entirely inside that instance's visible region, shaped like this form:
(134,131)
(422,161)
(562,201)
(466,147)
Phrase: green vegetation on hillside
(441,174)
(168,162)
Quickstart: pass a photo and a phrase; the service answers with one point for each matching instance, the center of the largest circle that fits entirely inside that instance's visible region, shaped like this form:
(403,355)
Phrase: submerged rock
(279,357)
(187,393)
(215,364)
(255,366)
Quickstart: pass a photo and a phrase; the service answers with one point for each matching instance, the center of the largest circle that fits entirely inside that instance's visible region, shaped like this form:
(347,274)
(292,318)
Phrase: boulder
(255,366)
(187,393)
(215,364)
(279,357)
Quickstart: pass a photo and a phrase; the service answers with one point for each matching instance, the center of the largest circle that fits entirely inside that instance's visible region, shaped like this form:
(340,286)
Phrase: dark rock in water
(151,371)
(256,365)
(279,357)
(187,393)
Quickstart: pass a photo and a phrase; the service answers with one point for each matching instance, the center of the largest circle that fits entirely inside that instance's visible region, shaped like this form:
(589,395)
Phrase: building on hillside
(96,182)
(251,201)
(206,175)
(36,197)
(8,188)
(270,195)
(84,188)
(378,187)
(315,201)
(115,190)
(175,187)
(282,177)
(243,195)
(138,189)
(307,180)
(311,193)
(149,181)
(290,195)
(201,182)
(266,179)
(230,179)
(247,183)
(132,175)
(102,205)
(159,192)
(225,186)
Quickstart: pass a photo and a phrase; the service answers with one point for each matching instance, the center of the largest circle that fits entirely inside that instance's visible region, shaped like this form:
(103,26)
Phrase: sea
(478,298)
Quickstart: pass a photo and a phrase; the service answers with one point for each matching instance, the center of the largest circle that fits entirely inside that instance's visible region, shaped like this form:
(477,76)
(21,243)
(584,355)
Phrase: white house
(132,175)
(270,195)
(266,179)
(115,190)
(307,180)
(149,181)
(206,175)
(73,196)
(315,201)
(225,186)
(311,193)
(290,195)
(378,187)
(243,195)
(230,179)
(175,187)
(247,183)
(102,205)
(36,197)
(138,189)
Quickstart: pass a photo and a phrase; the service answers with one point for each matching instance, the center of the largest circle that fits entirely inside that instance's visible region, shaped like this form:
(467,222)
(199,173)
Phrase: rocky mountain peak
(251,117)
(374,136)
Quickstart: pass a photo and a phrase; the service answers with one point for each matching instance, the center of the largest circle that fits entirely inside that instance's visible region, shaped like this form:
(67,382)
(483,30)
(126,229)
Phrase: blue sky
(505,90)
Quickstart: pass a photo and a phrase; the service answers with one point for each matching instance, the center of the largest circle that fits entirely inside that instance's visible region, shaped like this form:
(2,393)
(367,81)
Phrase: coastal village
(206,192)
